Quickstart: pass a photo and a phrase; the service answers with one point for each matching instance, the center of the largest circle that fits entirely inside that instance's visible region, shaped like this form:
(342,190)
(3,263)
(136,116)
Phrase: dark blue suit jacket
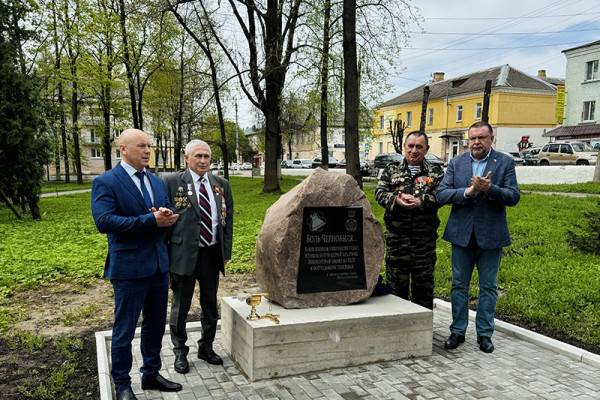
(136,245)
(485,214)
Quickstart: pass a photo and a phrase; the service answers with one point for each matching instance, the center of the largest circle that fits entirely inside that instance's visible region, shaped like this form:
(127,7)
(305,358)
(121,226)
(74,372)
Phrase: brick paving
(516,370)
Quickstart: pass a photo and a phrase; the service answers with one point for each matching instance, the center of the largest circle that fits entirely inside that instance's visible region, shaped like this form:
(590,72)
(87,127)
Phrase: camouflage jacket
(396,178)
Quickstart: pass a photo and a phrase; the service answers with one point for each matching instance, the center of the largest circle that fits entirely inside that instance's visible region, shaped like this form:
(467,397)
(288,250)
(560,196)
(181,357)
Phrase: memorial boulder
(320,244)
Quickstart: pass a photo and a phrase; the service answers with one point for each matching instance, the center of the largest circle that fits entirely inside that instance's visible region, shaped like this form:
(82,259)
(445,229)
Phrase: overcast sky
(459,37)
(468,36)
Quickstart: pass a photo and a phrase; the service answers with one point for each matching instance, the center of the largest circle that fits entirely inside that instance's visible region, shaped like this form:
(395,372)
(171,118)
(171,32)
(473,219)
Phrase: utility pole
(426,92)
(485,113)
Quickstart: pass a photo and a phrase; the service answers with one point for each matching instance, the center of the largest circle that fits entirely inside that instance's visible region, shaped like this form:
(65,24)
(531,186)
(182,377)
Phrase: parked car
(365,166)
(516,156)
(332,162)
(530,156)
(246,166)
(383,159)
(287,164)
(435,160)
(567,153)
(303,163)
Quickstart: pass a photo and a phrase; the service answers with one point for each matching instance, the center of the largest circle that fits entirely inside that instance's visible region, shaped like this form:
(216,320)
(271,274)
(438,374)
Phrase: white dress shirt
(131,172)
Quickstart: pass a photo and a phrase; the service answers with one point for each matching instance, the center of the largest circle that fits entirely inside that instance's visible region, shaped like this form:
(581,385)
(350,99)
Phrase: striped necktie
(206,234)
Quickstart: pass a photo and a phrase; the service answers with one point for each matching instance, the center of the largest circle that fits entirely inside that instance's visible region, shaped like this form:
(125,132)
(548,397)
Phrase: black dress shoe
(485,344)
(126,394)
(454,341)
(209,356)
(181,364)
(159,383)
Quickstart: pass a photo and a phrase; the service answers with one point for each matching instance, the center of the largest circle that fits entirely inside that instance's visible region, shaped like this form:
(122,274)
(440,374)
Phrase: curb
(570,351)
(64,193)
(102,340)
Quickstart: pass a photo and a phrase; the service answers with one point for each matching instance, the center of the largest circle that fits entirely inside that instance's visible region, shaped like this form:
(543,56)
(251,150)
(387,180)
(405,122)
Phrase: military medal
(189,188)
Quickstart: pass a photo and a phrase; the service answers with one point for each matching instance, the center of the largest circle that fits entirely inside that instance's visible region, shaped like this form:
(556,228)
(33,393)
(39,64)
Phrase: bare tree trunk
(107,101)
(107,137)
(61,101)
(75,122)
(140,93)
(179,120)
(325,84)
(74,91)
(274,77)
(127,63)
(34,208)
(351,95)
(6,201)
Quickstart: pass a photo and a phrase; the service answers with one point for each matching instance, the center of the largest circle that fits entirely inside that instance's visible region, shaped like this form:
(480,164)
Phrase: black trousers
(206,274)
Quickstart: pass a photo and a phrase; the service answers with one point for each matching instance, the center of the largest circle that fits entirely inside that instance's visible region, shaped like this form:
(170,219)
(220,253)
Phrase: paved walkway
(65,193)
(517,370)
(566,194)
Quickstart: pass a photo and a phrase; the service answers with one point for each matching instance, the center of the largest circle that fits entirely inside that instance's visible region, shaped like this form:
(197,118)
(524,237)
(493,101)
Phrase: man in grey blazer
(479,185)
(199,248)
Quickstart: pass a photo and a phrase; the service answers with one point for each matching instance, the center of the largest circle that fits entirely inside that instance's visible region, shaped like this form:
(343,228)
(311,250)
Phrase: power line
(506,18)
(492,48)
(496,28)
(501,33)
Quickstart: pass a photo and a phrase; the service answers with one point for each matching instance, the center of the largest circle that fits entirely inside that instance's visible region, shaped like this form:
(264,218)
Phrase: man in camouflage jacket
(407,192)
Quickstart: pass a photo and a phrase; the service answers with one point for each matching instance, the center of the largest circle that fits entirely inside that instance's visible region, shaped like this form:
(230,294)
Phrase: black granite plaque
(331,252)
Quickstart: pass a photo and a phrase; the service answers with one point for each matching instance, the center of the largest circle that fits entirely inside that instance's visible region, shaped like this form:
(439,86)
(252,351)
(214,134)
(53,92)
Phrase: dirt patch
(64,318)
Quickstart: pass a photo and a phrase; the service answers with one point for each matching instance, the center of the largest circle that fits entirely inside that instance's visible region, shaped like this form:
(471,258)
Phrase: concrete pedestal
(313,339)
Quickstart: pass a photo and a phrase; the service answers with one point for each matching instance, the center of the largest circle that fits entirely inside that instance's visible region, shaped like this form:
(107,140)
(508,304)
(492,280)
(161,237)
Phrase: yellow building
(520,105)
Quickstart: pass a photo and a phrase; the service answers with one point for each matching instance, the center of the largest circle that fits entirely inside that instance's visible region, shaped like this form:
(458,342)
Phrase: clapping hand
(479,184)
(482,183)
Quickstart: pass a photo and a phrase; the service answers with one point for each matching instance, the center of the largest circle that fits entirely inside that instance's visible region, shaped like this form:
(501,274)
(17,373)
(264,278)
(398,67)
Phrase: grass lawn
(543,282)
(585,187)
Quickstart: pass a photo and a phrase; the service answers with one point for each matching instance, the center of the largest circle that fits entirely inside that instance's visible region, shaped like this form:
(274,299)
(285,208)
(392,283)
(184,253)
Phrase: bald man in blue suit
(479,184)
(131,206)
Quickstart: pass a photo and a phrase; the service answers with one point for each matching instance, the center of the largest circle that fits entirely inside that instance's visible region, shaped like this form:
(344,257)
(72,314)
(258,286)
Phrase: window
(92,137)
(381,122)
(553,148)
(588,110)
(459,111)
(380,148)
(430,117)
(96,153)
(408,118)
(118,153)
(591,70)
(566,149)
(478,111)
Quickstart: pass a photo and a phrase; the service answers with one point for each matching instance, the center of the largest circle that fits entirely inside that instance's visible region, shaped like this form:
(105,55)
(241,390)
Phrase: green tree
(586,237)
(23,146)
(211,133)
